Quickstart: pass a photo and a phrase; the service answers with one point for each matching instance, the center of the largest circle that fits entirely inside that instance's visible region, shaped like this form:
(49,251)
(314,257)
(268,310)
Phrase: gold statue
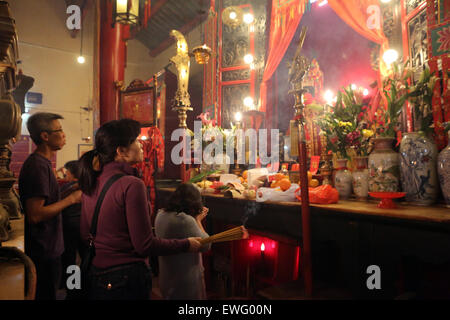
(297,71)
(182,63)
(299,66)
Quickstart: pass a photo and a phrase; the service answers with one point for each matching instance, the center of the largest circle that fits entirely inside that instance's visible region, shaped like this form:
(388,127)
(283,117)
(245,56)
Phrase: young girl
(181,275)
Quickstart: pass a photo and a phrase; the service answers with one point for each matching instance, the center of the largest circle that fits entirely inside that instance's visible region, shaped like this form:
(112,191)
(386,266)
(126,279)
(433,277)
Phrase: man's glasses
(51,131)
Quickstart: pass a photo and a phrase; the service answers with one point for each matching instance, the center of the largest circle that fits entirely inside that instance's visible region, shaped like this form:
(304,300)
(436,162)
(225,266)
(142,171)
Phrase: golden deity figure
(182,63)
(299,66)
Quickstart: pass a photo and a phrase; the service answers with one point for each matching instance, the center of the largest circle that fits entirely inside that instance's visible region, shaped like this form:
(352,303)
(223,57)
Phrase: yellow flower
(367,133)
(345,124)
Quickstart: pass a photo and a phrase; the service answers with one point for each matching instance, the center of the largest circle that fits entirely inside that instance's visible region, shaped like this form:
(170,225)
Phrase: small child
(181,275)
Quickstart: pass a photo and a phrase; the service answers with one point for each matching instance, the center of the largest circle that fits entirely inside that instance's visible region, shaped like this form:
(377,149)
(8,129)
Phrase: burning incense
(237,233)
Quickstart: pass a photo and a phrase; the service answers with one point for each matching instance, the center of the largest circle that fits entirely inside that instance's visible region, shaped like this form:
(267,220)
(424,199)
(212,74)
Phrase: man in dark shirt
(40,197)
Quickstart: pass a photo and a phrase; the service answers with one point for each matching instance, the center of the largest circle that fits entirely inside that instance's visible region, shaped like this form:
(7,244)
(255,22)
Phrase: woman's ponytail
(88,172)
(110,136)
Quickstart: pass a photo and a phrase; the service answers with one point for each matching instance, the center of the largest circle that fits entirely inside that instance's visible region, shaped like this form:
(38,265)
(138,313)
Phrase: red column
(112,63)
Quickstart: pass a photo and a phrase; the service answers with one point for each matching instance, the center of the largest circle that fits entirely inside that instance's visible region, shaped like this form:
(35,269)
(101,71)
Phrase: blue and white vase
(343,180)
(384,166)
(418,156)
(443,165)
(361,179)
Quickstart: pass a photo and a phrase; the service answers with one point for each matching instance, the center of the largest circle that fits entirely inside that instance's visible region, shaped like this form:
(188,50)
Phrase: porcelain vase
(343,180)
(443,166)
(418,156)
(384,163)
(361,179)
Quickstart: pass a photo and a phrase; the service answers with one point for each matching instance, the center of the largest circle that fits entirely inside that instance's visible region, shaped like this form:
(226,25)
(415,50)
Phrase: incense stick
(228,235)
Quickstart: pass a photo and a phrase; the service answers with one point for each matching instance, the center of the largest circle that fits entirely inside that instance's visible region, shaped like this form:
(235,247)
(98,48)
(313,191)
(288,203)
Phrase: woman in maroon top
(124,238)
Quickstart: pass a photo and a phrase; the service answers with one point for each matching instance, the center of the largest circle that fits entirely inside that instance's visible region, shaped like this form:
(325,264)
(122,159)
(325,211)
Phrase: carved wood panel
(235,44)
(232,102)
(411,5)
(417,41)
(235,75)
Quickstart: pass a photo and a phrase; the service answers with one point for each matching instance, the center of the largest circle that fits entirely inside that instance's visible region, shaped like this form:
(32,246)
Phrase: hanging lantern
(232,16)
(202,54)
(126,11)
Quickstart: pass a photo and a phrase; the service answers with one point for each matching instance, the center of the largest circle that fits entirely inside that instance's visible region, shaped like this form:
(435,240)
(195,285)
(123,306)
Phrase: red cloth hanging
(364,16)
(153,148)
(285,18)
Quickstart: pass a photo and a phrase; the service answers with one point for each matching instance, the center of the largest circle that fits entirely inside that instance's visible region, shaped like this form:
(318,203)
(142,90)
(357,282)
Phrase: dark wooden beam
(155,8)
(169,41)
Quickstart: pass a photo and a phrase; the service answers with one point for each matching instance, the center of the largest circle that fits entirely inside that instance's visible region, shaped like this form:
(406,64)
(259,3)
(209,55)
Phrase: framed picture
(138,105)
(83,148)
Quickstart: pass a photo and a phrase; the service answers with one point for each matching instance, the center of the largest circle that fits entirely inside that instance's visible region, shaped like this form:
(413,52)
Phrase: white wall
(48,54)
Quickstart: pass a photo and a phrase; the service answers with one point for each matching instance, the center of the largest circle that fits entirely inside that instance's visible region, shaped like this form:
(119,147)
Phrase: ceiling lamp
(126,12)
(202,54)
(232,16)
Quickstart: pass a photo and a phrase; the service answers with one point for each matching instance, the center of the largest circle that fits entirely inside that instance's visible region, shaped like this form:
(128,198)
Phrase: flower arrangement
(210,131)
(348,126)
(420,96)
(395,91)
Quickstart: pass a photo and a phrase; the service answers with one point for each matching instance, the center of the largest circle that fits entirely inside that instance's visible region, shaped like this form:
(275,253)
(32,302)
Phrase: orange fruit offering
(284,184)
(279,176)
(310,175)
(245,174)
(313,183)
(274,184)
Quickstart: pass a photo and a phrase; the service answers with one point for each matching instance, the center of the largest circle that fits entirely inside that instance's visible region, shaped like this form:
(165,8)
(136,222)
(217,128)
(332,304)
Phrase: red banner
(285,18)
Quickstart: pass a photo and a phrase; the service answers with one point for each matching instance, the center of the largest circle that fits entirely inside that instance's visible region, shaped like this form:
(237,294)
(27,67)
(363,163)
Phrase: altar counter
(239,210)
(347,237)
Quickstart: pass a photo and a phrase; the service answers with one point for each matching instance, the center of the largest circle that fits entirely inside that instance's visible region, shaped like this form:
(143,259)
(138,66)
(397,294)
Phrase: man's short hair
(40,122)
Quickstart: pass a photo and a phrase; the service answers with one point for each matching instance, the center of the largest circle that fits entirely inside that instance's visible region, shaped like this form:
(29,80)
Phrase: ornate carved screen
(239,79)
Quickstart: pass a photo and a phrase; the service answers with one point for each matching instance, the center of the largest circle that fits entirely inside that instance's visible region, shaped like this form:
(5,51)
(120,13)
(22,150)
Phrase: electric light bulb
(366,92)
(248,58)
(353,86)
(328,96)
(390,56)
(248,102)
(248,18)
(233,15)
(144,138)
(122,6)
(263,247)
(238,116)
(81,59)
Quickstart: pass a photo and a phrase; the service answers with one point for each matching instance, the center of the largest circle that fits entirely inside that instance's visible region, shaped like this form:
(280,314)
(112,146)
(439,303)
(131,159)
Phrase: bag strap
(105,189)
